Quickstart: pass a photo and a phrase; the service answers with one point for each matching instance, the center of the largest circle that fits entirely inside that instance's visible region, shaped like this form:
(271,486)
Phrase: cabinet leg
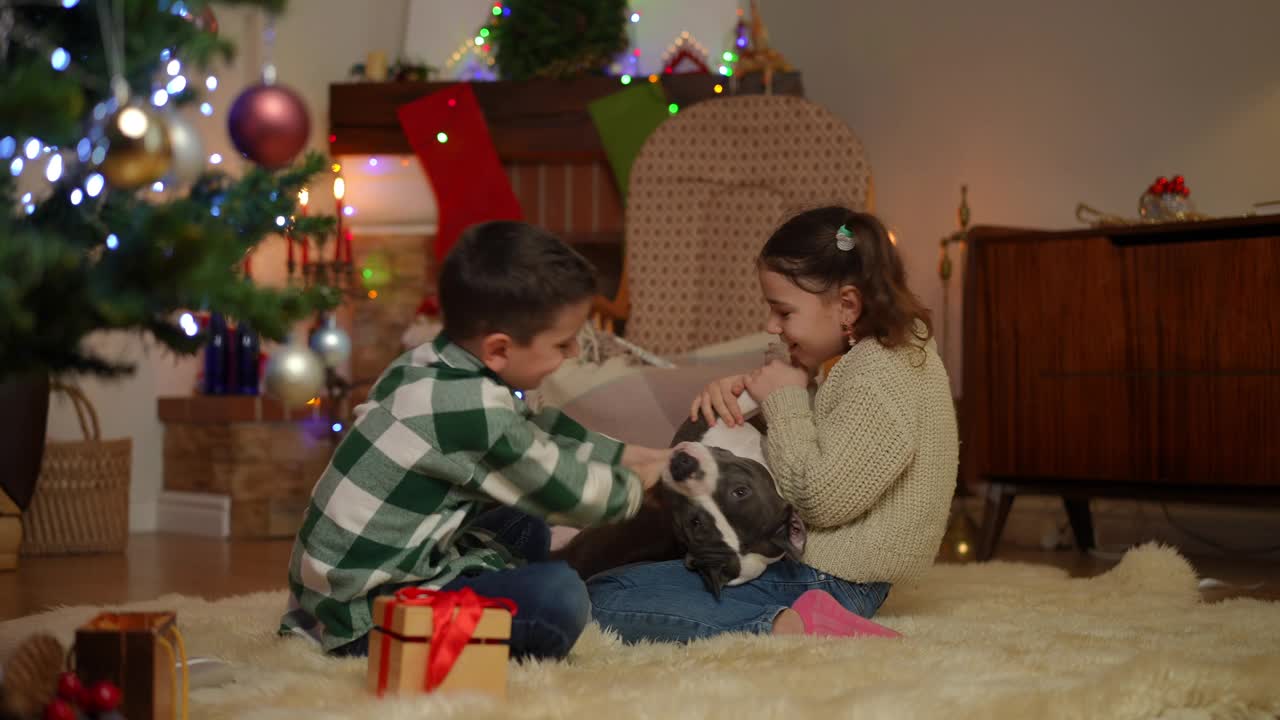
(996,512)
(1081,519)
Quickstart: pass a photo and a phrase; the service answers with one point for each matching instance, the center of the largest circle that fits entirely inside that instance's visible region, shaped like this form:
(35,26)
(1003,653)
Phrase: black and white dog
(723,503)
(718,508)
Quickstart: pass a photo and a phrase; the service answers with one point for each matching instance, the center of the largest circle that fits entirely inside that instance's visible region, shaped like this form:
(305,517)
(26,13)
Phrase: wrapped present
(427,641)
(142,654)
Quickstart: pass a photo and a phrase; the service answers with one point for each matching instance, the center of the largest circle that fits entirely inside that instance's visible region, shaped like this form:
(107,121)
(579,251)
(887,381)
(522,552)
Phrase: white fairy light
(54,170)
(93,184)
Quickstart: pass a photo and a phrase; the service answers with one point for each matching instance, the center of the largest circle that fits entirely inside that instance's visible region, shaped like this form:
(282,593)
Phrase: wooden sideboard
(1138,361)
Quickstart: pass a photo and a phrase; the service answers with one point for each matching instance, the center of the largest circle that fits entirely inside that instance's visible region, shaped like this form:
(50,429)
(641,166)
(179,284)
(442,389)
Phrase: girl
(869,463)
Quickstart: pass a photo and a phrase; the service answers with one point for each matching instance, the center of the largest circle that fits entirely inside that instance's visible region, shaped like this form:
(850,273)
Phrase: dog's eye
(741,491)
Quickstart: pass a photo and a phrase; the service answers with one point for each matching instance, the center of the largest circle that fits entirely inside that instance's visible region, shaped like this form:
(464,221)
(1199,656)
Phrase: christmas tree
(88,128)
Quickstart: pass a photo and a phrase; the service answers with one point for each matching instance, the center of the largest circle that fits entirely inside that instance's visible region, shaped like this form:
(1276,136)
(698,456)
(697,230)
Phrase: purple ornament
(269,124)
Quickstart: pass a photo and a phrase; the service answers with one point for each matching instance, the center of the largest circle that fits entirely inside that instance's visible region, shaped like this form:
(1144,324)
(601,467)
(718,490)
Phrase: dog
(717,506)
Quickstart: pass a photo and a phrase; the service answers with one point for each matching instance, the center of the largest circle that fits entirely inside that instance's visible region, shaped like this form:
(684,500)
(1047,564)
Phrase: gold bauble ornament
(294,375)
(138,149)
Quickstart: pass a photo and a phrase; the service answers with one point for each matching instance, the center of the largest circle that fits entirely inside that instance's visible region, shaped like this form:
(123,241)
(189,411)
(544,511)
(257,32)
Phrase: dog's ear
(714,577)
(791,535)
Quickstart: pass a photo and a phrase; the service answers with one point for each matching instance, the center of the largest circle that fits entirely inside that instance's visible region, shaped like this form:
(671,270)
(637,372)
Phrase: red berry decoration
(59,709)
(104,697)
(69,687)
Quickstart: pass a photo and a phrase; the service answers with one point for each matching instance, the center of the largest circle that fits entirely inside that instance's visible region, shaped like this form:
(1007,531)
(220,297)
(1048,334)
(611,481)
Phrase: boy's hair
(510,277)
(807,251)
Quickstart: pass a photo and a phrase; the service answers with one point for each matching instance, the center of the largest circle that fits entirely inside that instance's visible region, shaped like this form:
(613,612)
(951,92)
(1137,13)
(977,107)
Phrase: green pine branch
(60,281)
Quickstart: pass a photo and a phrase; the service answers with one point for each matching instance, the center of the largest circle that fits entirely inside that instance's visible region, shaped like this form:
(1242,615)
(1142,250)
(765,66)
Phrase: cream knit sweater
(871,466)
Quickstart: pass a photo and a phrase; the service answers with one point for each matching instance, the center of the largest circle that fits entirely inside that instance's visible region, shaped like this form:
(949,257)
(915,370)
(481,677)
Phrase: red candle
(347,240)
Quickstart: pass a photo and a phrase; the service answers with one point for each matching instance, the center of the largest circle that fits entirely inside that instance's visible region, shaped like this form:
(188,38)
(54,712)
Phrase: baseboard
(188,513)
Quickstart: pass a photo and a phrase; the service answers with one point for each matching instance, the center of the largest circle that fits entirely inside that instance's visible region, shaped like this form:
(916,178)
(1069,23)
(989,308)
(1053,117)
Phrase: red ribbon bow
(450,633)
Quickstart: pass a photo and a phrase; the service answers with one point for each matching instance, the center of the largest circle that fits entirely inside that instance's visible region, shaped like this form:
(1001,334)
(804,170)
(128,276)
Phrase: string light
(718,88)
(215,159)
(349,210)
(26,198)
(673,108)
(281,221)
(211,82)
(337,427)
(177,85)
(337,167)
(54,170)
(442,138)
(367,274)
(113,242)
(77,196)
(60,59)
(188,324)
(373,162)
(7,146)
(15,167)
(31,208)
(83,149)
(726,71)
(653,78)
(157,186)
(206,109)
(174,67)
(497,10)
(160,98)
(68,4)
(165,54)
(93,184)
(635,17)
(32,148)
(626,79)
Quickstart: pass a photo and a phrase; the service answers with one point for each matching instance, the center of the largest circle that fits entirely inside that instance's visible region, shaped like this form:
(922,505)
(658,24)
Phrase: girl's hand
(720,397)
(776,375)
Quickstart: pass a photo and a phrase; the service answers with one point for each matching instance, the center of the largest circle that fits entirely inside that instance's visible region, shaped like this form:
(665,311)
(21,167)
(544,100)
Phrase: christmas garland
(539,39)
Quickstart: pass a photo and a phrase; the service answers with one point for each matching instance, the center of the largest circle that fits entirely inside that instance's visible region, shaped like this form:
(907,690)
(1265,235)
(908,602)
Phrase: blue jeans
(665,601)
(551,600)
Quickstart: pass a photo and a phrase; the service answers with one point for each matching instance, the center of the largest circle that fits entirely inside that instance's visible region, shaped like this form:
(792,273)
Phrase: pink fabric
(823,615)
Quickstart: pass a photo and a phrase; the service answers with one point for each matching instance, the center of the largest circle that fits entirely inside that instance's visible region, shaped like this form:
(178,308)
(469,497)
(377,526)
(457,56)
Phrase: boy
(446,475)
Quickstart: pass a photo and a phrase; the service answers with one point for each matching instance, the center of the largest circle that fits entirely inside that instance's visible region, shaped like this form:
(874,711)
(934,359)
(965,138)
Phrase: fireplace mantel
(533,121)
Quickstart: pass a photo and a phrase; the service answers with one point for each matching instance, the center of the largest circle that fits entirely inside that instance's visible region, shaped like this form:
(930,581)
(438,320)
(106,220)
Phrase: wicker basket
(81,503)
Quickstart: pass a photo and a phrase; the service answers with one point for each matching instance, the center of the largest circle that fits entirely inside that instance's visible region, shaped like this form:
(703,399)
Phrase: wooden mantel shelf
(530,121)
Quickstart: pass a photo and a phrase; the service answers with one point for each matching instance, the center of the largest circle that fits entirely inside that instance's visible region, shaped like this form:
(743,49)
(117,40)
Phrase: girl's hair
(807,250)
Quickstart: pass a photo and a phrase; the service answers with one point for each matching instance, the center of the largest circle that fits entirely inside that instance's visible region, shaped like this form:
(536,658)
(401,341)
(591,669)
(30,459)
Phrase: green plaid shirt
(440,440)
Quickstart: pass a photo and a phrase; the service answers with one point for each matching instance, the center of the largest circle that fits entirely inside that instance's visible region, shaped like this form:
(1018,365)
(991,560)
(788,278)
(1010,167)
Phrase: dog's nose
(682,466)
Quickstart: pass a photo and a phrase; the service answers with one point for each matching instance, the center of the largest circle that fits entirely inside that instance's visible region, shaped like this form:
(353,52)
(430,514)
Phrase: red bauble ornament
(104,697)
(69,687)
(59,709)
(269,124)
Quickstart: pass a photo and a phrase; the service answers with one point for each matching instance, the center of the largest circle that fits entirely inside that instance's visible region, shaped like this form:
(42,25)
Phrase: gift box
(143,655)
(431,641)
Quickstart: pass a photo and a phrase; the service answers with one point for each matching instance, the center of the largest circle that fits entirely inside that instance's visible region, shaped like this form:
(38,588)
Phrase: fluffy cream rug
(982,641)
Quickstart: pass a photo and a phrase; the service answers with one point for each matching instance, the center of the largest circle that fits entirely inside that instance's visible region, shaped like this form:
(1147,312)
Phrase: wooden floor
(155,565)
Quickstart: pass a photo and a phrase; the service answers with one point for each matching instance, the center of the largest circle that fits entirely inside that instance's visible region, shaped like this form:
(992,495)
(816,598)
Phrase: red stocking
(470,185)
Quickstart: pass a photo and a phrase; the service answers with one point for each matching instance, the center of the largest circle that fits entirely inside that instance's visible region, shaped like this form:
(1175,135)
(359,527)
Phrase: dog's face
(727,512)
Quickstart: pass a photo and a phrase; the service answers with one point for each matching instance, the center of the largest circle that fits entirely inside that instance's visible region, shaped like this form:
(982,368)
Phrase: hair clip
(845,239)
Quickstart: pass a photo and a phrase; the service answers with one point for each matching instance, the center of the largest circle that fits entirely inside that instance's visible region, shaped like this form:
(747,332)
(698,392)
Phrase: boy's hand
(774,376)
(720,397)
(633,456)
